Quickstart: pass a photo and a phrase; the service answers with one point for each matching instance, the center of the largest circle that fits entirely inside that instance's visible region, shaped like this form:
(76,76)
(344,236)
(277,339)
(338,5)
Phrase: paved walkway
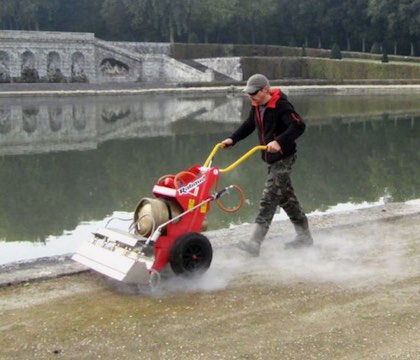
(280,231)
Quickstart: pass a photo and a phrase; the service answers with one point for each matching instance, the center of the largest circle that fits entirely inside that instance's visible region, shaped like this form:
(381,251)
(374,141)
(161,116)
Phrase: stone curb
(358,89)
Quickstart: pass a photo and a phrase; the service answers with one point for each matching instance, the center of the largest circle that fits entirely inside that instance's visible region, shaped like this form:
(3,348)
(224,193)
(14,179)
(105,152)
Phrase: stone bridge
(34,56)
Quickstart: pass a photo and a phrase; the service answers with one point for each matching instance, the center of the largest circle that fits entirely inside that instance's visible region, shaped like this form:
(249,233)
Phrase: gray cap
(256,82)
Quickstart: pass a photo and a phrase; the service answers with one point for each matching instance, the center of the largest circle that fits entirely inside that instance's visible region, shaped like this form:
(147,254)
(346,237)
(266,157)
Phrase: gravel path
(354,295)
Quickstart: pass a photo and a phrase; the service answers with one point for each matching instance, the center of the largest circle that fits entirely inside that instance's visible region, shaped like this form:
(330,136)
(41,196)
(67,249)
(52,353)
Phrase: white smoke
(350,257)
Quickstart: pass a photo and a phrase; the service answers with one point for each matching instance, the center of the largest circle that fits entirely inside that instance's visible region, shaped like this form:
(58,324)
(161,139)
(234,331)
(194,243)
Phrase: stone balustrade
(37,56)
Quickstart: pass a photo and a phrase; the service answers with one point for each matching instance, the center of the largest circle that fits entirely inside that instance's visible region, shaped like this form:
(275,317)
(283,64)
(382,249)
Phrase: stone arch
(28,60)
(4,67)
(53,61)
(54,73)
(28,67)
(78,67)
(79,117)
(30,119)
(5,120)
(112,113)
(77,63)
(55,116)
(113,67)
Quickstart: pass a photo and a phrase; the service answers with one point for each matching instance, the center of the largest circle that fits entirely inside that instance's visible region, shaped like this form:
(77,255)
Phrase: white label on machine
(191,186)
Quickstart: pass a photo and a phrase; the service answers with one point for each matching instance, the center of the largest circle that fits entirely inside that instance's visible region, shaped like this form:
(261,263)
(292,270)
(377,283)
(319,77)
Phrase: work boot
(252,246)
(303,237)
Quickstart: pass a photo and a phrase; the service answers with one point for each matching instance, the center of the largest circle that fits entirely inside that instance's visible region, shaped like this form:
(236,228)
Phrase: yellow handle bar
(237,162)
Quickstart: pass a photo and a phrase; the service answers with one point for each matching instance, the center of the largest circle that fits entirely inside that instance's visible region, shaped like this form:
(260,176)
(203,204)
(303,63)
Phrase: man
(278,126)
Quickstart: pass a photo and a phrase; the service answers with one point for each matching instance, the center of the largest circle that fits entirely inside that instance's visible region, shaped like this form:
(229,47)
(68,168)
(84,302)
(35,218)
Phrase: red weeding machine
(166,229)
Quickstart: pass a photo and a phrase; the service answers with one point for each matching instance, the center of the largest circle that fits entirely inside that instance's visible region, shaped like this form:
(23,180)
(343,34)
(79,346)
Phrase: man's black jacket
(278,121)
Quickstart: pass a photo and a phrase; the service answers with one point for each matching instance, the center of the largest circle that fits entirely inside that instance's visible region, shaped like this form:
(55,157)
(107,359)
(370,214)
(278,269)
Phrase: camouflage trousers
(278,191)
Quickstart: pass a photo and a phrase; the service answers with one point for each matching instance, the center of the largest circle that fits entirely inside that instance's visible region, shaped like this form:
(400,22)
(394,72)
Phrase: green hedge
(349,70)
(196,51)
(327,69)
(275,67)
(282,62)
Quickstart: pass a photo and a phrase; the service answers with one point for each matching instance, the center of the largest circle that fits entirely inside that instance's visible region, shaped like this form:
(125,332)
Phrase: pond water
(69,163)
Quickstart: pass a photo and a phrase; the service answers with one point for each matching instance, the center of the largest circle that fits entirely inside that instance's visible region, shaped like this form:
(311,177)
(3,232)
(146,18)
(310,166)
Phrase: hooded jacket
(278,120)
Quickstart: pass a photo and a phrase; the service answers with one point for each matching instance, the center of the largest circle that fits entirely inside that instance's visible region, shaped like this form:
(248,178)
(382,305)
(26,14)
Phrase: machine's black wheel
(192,253)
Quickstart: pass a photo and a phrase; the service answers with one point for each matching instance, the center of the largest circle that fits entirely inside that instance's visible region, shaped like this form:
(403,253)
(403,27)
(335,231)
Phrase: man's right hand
(227,143)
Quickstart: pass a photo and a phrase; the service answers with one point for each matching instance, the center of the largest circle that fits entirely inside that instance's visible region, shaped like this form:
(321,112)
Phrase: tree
(409,11)
(79,16)
(170,17)
(335,52)
(249,20)
(119,27)
(311,21)
(384,55)
(386,20)
(355,22)
(288,22)
(26,14)
(210,17)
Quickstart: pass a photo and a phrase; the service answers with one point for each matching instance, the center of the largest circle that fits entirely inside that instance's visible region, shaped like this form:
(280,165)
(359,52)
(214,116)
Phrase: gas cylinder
(151,213)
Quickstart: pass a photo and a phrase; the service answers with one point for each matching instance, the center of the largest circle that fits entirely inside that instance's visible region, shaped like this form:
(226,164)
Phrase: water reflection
(355,149)
(44,125)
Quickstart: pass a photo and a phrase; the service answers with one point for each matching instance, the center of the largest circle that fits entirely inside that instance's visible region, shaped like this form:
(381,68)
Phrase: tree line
(355,25)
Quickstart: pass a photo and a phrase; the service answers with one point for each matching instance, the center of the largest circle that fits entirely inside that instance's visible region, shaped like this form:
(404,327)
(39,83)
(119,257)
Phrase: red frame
(192,193)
